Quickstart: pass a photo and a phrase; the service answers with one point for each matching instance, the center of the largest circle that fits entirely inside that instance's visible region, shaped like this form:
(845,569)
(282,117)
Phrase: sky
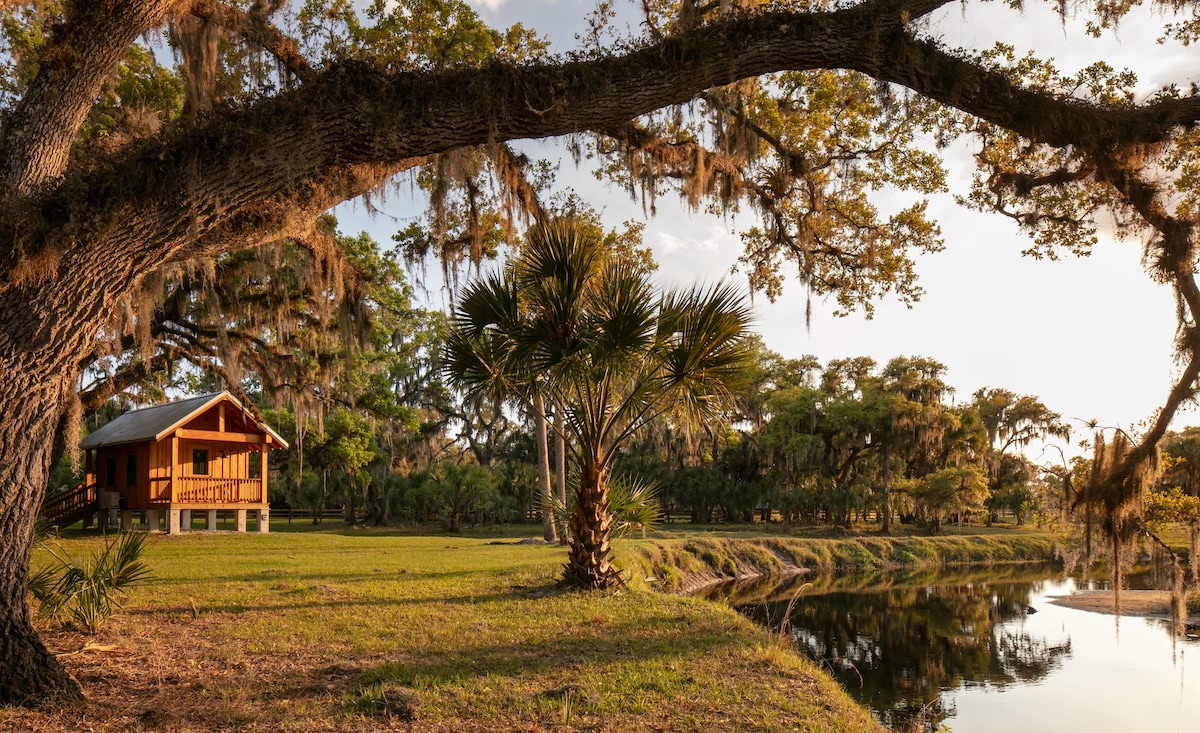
(1092,337)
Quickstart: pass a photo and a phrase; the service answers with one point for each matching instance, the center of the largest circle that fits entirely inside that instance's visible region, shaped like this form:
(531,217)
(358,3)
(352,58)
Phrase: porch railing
(209,490)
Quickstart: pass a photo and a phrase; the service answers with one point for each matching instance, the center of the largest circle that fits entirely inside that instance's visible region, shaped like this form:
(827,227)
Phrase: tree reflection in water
(898,643)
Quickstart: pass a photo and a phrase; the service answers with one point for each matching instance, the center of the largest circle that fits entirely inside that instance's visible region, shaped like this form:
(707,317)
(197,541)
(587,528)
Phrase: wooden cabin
(203,454)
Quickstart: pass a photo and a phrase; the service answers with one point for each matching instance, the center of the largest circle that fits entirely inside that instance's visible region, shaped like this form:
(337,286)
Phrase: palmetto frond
(704,347)
(489,302)
(479,345)
(623,317)
(633,504)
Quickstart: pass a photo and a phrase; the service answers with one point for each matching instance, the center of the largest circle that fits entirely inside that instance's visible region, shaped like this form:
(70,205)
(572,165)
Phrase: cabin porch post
(89,518)
(210,521)
(264,521)
(126,520)
(173,520)
(185,519)
(241,520)
(152,522)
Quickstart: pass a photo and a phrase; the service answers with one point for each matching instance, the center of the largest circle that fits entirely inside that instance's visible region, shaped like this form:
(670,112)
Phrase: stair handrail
(74,498)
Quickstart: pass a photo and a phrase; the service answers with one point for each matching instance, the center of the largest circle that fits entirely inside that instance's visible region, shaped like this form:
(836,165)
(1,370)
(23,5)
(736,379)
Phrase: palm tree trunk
(560,467)
(587,557)
(543,459)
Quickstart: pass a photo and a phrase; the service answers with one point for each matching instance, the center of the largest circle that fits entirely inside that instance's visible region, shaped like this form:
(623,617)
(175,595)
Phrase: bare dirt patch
(1144,603)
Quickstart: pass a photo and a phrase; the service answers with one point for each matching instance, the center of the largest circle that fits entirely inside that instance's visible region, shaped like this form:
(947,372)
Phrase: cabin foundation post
(185,519)
(126,520)
(241,520)
(152,523)
(210,521)
(264,521)
(88,519)
(173,517)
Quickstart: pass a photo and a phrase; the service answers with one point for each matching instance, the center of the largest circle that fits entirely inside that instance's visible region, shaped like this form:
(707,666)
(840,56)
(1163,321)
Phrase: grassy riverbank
(358,630)
(683,564)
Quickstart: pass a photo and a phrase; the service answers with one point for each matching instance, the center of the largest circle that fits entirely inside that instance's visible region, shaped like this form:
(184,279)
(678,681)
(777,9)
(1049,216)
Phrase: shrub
(89,592)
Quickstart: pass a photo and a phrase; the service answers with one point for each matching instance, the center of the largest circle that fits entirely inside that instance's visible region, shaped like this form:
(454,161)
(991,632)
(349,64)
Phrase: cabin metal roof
(155,423)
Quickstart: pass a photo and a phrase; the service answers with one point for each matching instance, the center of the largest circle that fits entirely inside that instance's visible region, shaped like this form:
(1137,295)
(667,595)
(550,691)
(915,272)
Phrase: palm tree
(588,332)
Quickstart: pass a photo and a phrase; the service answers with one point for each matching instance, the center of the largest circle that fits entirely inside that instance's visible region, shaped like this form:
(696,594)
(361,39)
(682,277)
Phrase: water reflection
(984,651)
(898,642)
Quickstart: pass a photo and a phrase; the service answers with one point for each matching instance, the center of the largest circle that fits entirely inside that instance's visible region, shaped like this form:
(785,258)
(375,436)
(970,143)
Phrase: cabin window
(200,462)
(110,471)
(131,470)
(254,464)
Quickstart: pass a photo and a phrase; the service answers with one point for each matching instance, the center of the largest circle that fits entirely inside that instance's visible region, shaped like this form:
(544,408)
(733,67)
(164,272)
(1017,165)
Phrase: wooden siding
(135,493)
(226,486)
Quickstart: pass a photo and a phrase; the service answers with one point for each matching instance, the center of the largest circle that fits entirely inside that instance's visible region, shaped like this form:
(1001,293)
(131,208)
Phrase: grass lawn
(349,630)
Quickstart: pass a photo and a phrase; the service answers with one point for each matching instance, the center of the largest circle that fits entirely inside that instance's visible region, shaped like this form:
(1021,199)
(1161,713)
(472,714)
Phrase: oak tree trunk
(29,414)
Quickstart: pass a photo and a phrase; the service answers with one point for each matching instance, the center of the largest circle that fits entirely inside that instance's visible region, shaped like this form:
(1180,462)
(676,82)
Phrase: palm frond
(488,302)
(632,503)
(479,346)
(623,316)
(90,591)
(703,345)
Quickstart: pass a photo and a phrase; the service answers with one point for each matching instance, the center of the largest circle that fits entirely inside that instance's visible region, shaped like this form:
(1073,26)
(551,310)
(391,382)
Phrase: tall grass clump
(89,591)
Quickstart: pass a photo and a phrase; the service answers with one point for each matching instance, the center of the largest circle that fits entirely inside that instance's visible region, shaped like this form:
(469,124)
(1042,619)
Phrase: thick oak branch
(81,54)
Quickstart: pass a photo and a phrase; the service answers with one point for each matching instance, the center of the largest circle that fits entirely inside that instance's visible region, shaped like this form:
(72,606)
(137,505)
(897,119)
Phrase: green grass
(364,629)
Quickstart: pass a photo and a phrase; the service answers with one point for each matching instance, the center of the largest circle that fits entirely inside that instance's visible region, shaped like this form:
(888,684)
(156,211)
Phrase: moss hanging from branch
(1116,493)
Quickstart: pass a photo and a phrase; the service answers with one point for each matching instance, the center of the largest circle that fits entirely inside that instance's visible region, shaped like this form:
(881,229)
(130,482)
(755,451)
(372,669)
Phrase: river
(986,652)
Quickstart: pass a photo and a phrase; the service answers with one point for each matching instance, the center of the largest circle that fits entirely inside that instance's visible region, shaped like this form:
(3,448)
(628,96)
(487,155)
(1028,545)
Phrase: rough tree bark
(30,674)
(74,237)
(587,544)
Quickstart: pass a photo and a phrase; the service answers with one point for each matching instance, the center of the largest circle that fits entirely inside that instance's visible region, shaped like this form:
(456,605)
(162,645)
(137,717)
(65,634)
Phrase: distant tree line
(353,377)
(851,441)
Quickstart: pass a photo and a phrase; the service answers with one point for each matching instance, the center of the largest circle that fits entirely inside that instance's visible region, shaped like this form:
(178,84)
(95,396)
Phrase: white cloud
(492,5)
(708,243)
(669,243)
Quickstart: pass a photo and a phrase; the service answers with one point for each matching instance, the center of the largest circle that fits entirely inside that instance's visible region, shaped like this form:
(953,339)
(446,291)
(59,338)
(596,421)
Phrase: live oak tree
(100,192)
(1013,422)
(877,439)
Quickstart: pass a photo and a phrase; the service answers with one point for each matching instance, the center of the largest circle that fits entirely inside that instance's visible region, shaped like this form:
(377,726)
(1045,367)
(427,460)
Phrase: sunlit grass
(354,630)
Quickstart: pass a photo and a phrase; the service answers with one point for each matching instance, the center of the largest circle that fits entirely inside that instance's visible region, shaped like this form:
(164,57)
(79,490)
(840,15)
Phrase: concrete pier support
(126,520)
(88,520)
(185,520)
(152,523)
(173,517)
(241,520)
(264,521)
(210,521)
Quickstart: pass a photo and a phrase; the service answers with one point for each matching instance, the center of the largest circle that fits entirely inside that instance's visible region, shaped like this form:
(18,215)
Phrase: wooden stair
(67,507)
